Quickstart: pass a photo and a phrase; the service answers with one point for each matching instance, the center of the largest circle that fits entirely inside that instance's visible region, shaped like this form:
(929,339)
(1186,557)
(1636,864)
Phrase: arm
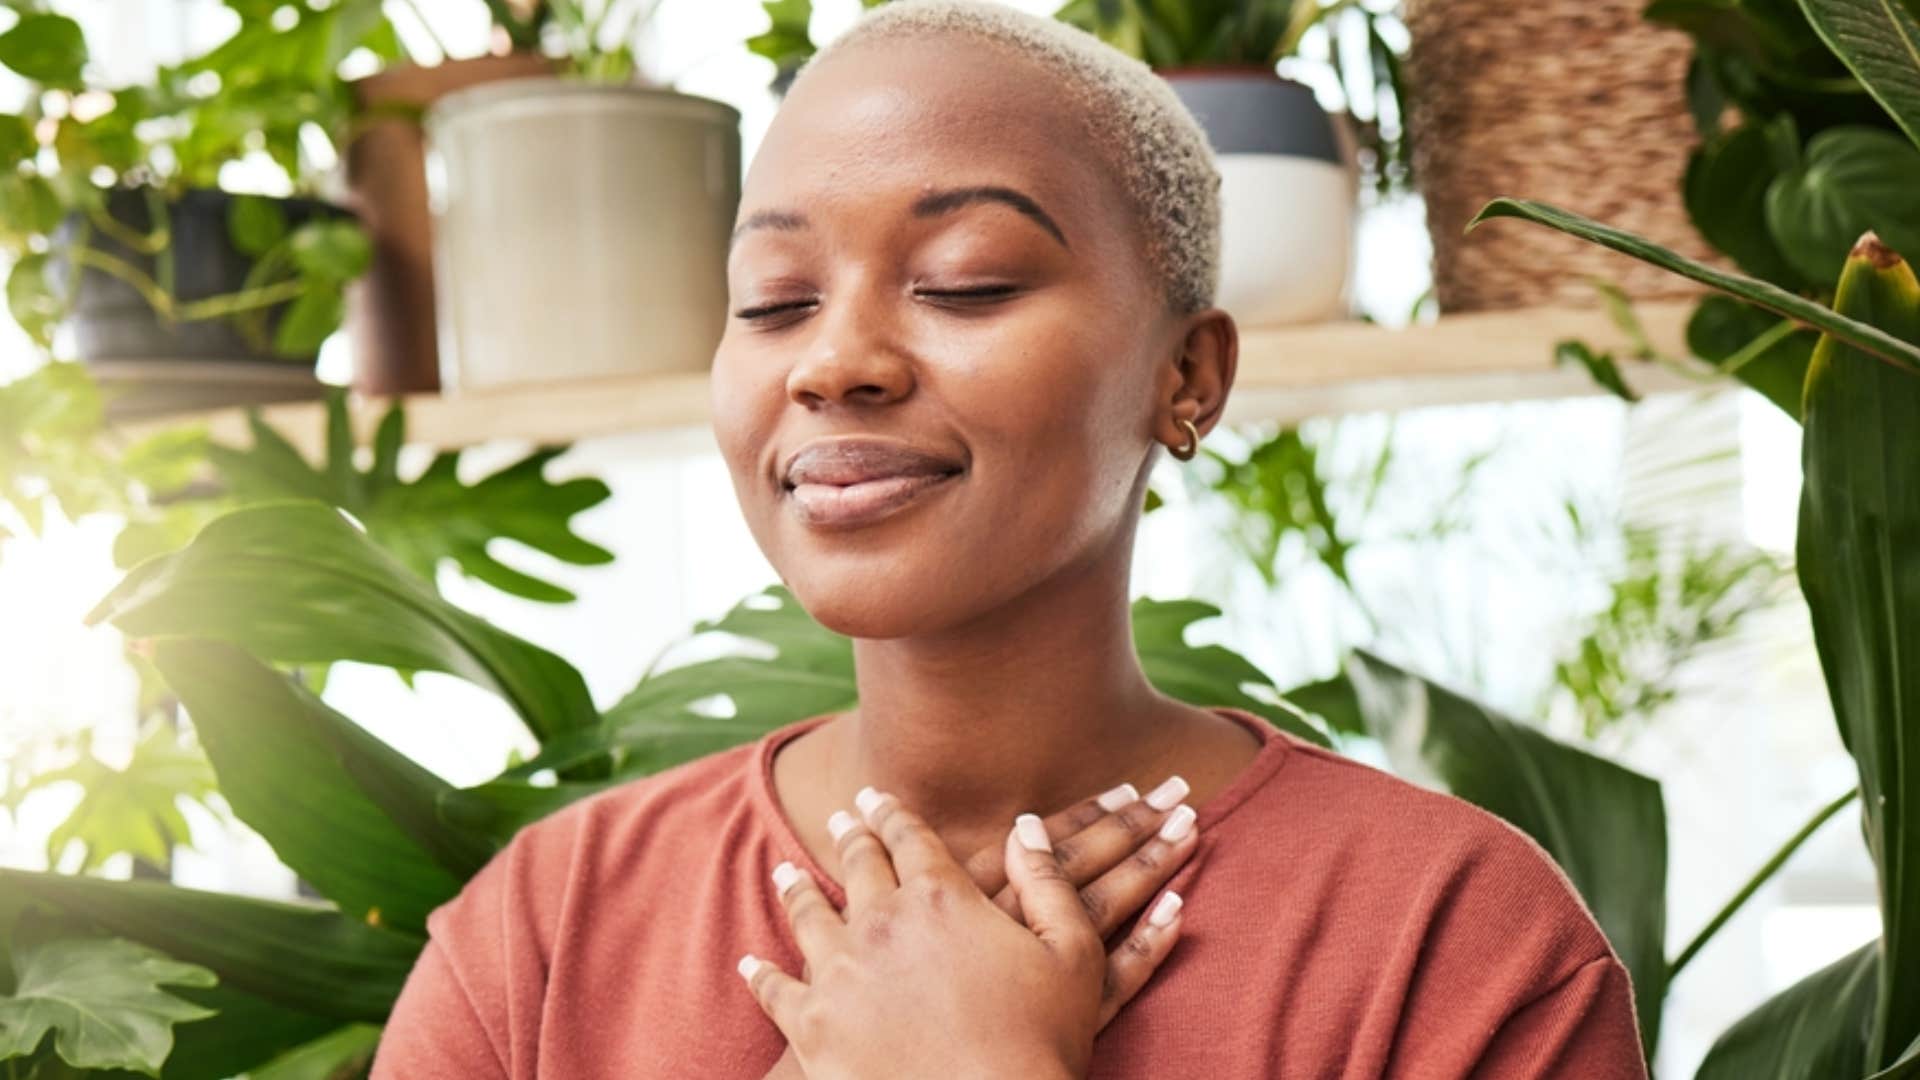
(1584,1025)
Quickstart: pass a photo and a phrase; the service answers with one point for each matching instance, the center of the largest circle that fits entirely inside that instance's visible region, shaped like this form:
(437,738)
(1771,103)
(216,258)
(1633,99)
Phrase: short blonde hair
(1147,135)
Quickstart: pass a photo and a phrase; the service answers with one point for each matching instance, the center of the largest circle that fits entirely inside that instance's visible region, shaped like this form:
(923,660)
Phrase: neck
(1028,708)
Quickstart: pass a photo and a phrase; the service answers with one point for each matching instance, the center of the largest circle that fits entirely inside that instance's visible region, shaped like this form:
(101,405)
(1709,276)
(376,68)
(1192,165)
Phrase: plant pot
(1287,194)
(112,321)
(580,231)
(391,308)
(1578,103)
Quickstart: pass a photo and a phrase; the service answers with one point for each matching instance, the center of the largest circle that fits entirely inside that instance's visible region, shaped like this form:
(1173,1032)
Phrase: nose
(850,359)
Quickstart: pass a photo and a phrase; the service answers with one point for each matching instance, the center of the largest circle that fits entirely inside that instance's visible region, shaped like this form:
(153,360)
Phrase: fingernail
(839,822)
(1032,832)
(1178,824)
(1171,791)
(784,876)
(747,966)
(1164,911)
(1118,797)
(866,800)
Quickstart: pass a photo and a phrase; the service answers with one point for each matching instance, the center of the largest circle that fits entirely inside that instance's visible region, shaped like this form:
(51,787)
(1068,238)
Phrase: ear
(1195,382)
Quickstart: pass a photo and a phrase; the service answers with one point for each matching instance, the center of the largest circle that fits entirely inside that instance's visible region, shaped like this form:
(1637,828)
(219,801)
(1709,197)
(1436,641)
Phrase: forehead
(899,118)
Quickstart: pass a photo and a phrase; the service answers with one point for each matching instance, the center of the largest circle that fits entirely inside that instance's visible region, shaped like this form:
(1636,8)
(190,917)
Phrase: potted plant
(577,214)
(125,233)
(1282,260)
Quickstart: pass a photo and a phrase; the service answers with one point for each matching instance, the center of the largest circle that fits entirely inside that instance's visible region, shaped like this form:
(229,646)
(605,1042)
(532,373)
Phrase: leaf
(1725,189)
(1879,41)
(1722,330)
(1604,824)
(342,809)
(46,49)
(1859,531)
(335,251)
(255,224)
(1205,675)
(346,1051)
(1852,179)
(102,1001)
(1816,1029)
(1857,334)
(133,810)
(1600,366)
(294,582)
(305,957)
(436,516)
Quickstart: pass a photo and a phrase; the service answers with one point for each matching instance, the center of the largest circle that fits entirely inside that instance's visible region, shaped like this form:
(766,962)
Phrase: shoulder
(1445,866)
(550,863)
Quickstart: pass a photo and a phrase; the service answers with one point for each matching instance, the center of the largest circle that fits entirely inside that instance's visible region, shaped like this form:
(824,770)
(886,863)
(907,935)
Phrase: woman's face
(849,319)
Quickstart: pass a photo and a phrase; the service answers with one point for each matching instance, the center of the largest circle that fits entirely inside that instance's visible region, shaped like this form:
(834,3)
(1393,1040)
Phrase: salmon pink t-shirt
(1340,924)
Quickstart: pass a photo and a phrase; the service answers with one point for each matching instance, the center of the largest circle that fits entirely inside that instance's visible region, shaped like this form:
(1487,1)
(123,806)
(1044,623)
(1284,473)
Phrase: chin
(854,601)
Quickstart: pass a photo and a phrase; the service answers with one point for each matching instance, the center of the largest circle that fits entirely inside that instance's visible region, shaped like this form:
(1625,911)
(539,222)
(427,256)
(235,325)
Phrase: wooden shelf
(1285,374)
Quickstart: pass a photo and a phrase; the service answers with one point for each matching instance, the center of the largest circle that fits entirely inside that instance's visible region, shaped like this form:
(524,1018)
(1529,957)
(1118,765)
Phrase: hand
(925,967)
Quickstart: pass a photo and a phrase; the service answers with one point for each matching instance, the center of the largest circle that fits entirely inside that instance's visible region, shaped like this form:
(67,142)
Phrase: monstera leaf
(101,999)
(134,810)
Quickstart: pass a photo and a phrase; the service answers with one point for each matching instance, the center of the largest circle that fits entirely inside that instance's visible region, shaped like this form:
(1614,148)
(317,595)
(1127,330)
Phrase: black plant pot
(111,320)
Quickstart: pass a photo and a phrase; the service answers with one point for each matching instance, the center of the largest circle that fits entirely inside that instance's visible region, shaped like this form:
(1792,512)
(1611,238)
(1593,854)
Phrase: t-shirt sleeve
(1582,1026)
(471,1007)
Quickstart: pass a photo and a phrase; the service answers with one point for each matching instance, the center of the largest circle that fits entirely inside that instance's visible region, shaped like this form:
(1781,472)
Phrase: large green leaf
(1880,42)
(305,957)
(1205,675)
(1816,1029)
(100,998)
(295,582)
(1858,556)
(346,1051)
(435,517)
(1725,189)
(1603,823)
(1850,180)
(1775,299)
(134,810)
(342,809)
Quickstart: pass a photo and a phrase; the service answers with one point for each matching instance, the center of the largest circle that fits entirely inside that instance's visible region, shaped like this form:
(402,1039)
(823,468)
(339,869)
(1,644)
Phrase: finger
(1133,961)
(1050,901)
(1107,843)
(988,866)
(866,870)
(816,925)
(777,992)
(1117,895)
(916,850)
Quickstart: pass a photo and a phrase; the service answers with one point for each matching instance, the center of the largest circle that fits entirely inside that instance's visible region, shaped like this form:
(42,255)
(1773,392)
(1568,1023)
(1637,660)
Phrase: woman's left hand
(923,974)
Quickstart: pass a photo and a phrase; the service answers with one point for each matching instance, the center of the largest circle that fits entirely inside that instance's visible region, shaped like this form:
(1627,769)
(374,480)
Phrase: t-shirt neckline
(1275,746)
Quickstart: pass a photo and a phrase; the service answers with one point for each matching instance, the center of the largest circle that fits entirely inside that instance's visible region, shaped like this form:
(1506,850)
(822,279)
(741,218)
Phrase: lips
(849,482)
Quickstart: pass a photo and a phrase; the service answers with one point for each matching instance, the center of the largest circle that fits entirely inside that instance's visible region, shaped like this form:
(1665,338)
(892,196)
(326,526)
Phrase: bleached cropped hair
(1147,135)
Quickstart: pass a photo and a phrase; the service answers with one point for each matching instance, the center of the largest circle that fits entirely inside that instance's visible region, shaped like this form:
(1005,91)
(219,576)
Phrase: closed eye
(990,292)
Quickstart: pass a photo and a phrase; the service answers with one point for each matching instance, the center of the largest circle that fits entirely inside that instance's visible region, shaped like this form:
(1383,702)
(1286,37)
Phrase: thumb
(1049,899)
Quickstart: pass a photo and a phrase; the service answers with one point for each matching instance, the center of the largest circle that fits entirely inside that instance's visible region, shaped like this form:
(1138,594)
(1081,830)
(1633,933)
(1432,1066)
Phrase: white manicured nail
(1171,791)
(747,966)
(1118,797)
(1032,832)
(866,800)
(784,876)
(839,823)
(1164,911)
(1178,824)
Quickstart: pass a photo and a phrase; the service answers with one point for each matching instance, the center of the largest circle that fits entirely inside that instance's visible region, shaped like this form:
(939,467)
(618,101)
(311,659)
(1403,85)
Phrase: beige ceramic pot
(580,231)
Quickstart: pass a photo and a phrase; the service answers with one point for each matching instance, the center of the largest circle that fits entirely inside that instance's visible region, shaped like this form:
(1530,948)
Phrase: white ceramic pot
(579,231)
(1287,195)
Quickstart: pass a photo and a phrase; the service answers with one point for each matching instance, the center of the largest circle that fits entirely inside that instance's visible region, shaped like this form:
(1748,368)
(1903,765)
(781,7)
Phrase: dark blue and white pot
(1287,198)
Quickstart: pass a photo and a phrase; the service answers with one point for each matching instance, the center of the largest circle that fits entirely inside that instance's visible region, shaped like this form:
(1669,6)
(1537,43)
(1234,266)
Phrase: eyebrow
(932,204)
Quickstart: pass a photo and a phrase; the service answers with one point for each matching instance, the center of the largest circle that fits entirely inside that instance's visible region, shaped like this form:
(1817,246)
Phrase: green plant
(297,583)
(271,87)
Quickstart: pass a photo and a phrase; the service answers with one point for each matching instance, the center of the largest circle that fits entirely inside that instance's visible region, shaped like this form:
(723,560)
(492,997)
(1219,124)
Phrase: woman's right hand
(1119,860)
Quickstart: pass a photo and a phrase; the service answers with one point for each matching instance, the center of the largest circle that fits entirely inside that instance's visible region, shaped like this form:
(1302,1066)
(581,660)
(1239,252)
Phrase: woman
(971,284)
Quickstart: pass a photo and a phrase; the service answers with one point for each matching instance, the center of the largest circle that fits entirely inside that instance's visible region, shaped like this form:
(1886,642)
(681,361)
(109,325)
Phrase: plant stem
(1758,346)
(1772,866)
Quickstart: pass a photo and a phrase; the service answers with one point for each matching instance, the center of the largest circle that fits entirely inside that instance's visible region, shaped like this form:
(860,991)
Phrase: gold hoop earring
(1185,453)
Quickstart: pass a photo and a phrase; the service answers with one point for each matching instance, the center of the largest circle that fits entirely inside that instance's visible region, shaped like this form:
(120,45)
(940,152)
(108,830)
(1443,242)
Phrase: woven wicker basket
(1578,103)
